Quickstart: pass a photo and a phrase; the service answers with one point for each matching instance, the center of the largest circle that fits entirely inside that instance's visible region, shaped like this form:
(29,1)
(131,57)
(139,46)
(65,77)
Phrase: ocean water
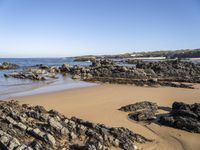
(11,87)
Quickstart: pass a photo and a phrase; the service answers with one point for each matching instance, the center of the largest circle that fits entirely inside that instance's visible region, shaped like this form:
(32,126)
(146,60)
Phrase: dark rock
(85,58)
(76,77)
(21,127)
(141,111)
(140,105)
(175,70)
(146,73)
(34,74)
(25,75)
(145,115)
(183,116)
(65,68)
(8,65)
(162,73)
(42,66)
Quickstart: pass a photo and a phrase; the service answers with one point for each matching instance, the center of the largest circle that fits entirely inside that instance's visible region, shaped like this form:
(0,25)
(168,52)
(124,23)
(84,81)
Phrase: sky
(61,28)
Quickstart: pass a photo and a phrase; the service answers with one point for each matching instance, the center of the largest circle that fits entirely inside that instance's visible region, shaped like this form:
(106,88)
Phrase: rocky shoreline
(182,116)
(168,73)
(172,73)
(39,72)
(34,128)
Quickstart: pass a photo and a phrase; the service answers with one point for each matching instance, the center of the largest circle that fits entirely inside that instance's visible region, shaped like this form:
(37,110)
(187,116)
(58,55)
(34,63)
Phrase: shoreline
(99,104)
(47,87)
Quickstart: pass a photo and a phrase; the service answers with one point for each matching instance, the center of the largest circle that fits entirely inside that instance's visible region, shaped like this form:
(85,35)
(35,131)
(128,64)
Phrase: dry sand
(99,104)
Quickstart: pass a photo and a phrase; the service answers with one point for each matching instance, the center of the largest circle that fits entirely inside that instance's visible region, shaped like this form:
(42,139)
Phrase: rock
(85,58)
(76,77)
(183,116)
(154,80)
(162,73)
(51,139)
(7,141)
(145,115)
(22,128)
(25,75)
(39,109)
(140,105)
(54,69)
(174,70)
(65,68)
(151,74)
(72,136)
(34,74)
(116,142)
(141,111)
(42,66)
(36,71)
(55,124)
(8,65)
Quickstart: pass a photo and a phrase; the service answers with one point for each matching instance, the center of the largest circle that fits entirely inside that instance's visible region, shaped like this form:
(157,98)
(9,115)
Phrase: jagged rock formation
(39,72)
(180,71)
(166,73)
(140,105)
(141,111)
(8,65)
(105,70)
(183,116)
(34,128)
(143,115)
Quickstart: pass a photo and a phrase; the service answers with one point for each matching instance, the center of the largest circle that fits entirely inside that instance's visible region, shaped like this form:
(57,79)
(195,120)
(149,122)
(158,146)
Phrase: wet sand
(99,104)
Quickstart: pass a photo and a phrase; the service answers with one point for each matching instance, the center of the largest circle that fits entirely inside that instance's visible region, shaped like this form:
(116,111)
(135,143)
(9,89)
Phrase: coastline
(40,88)
(99,104)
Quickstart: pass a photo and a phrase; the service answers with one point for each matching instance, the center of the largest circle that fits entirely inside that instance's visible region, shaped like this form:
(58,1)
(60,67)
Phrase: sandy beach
(100,104)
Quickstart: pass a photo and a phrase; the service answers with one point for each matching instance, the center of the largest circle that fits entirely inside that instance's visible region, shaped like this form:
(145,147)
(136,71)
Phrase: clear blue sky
(52,28)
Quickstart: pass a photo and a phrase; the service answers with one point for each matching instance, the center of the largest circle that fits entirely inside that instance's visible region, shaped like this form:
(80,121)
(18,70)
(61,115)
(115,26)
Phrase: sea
(11,87)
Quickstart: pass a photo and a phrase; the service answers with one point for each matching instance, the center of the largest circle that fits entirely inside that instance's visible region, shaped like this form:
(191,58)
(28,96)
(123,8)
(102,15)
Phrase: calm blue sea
(10,87)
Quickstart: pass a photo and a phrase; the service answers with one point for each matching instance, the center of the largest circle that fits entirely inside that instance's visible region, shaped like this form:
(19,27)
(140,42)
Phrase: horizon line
(136,51)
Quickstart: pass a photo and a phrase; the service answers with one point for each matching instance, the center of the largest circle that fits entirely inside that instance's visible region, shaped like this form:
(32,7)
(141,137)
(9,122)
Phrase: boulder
(65,68)
(8,65)
(145,115)
(183,116)
(140,105)
(25,75)
(76,77)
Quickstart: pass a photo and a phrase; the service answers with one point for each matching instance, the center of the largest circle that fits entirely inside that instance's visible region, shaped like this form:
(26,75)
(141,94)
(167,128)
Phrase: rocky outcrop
(85,58)
(141,111)
(8,65)
(183,116)
(144,115)
(180,71)
(163,73)
(25,75)
(139,106)
(65,68)
(34,128)
(105,70)
(50,69)
(40,73)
